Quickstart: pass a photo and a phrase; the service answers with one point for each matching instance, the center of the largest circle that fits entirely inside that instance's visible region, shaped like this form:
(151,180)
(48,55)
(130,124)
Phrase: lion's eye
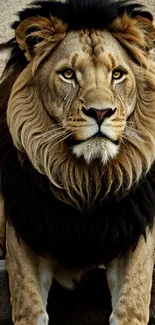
(68,74)
(117,74)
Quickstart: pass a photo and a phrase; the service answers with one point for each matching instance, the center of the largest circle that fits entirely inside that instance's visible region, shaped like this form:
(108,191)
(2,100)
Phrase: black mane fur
(82,13)
(75,239)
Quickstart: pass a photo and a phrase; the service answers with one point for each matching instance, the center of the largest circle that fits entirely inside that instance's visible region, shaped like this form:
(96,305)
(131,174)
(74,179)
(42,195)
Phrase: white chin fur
(104,150)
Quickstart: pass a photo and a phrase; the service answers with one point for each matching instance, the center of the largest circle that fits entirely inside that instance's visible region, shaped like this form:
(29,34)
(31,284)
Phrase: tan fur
(45,110)
(130,281)
(47,98)
(50,31)
(30,278)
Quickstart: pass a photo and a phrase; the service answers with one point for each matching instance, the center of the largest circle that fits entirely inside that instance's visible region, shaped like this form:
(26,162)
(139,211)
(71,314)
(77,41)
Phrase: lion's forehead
(94,41)
(94,45)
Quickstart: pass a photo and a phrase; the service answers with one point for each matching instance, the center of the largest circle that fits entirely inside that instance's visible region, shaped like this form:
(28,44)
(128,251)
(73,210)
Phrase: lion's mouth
(99,135)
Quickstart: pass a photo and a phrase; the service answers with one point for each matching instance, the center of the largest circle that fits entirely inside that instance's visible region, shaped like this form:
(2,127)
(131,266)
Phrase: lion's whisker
(130,132)
(57,131)
(64,138)
(128,127)
(48,137)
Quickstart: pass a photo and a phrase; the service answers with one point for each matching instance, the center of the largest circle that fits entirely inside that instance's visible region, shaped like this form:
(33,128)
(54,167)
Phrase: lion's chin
(103,150)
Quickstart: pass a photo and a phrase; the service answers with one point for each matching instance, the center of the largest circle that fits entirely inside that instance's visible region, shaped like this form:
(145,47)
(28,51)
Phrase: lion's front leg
(30,278)
(130,281)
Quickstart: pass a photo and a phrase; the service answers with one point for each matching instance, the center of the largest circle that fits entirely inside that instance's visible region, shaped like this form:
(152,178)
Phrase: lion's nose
(99,114)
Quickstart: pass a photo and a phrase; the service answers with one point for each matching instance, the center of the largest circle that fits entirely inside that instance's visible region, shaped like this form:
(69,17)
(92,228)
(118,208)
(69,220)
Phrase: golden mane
(71,179)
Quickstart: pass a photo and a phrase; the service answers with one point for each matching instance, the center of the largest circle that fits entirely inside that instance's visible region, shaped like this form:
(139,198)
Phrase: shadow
(88,304)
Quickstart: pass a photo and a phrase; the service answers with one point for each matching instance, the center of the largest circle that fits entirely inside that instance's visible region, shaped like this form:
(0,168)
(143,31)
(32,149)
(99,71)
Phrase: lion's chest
(76,240)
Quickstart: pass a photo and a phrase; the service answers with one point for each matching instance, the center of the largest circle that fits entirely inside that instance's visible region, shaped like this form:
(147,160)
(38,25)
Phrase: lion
(77,152)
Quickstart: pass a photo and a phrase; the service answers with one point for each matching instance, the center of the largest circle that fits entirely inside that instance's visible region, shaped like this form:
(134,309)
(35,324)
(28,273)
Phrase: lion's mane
(72,180)
(49,163)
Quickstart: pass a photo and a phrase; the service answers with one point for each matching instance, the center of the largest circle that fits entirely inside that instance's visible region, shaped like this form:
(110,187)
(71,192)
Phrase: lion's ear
(136,34)
(34,30)
(147,28)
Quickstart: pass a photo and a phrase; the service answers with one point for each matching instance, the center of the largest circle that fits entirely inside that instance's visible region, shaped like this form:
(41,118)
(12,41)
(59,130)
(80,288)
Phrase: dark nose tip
(99,114)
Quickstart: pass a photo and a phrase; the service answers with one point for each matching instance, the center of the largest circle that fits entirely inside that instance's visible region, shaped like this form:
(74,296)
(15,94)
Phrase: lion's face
(88,86)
